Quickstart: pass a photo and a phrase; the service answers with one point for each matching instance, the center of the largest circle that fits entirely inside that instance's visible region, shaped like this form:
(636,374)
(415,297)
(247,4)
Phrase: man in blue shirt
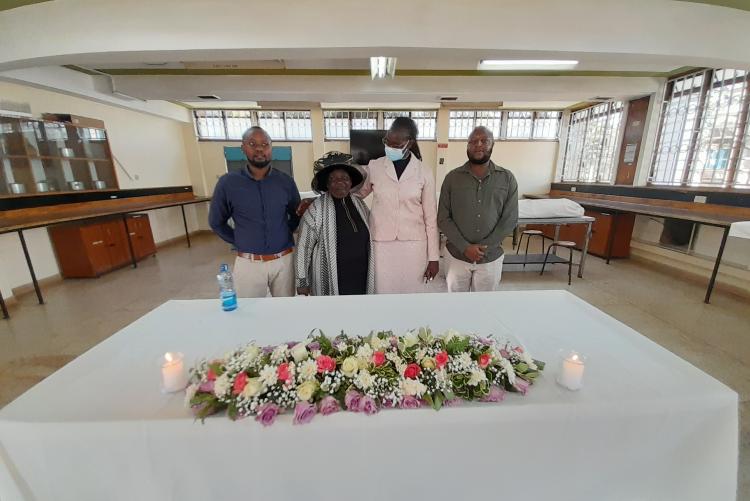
(263,203)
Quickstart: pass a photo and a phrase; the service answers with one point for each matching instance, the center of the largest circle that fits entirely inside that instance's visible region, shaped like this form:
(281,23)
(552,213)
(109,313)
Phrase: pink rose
(206,387)
(326,364)
(412,371)
(411,402)
(329,405)
(368,406)
(267,414)
(304,412)
(282,371)
(522,385)
(441,359)
(484,360)
(351,399)
(239,383)
(504,353)
(378,358)
(496,394)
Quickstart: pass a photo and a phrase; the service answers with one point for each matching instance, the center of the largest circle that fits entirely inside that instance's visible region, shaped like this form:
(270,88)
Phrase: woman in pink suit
(403,220)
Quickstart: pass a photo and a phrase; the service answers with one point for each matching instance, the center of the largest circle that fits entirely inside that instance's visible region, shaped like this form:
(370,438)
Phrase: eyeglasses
(253,144)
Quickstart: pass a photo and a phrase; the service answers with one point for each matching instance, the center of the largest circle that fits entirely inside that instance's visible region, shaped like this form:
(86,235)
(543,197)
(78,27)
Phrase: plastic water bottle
(227,294)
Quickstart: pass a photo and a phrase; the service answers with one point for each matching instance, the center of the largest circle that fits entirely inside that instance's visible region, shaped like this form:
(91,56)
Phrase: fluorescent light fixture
(382,67)
(527,64)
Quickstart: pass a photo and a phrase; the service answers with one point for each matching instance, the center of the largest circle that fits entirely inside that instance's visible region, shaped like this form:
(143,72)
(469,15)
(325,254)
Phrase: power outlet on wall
(573,188)
(700,199)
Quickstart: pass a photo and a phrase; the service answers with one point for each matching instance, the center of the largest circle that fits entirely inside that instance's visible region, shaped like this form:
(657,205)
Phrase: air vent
(449,98)
(15,109)
(601,98)
(209,97)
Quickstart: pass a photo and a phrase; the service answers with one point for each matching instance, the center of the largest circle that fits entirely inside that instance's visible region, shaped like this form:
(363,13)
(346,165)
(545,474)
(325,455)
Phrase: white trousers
(464,277)
(255,278)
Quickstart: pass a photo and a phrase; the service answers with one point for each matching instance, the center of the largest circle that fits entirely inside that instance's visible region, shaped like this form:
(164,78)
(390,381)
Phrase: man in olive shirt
(478,208)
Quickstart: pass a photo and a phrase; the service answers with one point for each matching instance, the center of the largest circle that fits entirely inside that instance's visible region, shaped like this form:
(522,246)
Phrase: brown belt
(265,257)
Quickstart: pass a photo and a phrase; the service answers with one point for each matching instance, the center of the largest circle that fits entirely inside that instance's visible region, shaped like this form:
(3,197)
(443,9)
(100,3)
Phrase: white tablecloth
(740,229)
(646,426)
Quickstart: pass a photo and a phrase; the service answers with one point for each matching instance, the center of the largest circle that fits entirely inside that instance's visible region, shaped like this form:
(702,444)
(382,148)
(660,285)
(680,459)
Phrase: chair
(561,243)
(529,234)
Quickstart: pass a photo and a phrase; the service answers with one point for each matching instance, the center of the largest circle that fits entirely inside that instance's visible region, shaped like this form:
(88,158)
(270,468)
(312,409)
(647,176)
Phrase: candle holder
(570,370)
(173,375)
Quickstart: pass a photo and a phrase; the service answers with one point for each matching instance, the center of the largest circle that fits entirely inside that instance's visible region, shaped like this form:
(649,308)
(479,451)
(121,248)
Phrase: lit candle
(571,372)
(173,377)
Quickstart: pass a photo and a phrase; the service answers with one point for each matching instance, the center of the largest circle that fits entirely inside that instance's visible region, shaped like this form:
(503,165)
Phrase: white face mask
(394,154)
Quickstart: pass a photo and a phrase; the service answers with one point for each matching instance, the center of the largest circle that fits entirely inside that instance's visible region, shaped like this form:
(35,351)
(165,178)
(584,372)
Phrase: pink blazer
(402,209)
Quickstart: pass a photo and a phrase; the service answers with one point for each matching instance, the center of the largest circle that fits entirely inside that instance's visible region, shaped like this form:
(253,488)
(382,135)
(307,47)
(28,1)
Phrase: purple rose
(267,414)
(267,350)
(368,406)
(504,354)
(313,346)
(411,402)
(453,402)
(291,344)
(394,342)
(329,405)
(351,399)
(304,412)
(485,341)
(206,387)
(496,394)
(522,385)
(389,404)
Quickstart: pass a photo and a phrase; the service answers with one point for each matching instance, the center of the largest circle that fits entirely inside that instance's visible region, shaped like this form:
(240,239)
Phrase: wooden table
(643,208)
(20,220)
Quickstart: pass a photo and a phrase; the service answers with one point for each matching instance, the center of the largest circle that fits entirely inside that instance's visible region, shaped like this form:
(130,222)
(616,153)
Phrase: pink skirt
(400,266)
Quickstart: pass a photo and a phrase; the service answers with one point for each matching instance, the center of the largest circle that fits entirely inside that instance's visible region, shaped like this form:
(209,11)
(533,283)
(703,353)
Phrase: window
(519,124)
(546,124)
(229,125)
(592,138)
(337,124)
(238,121)
(461,123)
(703,135)
(210,124)
(426,121)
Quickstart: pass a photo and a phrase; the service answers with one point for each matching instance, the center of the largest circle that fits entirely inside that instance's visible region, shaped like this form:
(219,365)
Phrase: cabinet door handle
(132,233)
(98,242)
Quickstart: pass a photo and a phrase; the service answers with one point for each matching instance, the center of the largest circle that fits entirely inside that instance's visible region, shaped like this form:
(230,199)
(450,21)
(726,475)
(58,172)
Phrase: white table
(646,426)
(740,229)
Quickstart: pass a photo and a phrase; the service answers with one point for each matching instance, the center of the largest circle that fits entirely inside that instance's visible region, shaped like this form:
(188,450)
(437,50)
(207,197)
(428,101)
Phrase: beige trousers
(255,278)
(464,277)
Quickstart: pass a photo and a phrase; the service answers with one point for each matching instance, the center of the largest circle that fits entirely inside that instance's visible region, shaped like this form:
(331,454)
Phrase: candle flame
(168,357)
(575,357)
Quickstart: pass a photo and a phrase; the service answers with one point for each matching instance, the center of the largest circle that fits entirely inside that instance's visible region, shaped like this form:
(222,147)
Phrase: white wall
(152,149)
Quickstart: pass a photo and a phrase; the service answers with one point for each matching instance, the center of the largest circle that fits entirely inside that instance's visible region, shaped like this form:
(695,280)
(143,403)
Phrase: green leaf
(522,367)
(437,402)
(232,411)
(428,398)
(539,364)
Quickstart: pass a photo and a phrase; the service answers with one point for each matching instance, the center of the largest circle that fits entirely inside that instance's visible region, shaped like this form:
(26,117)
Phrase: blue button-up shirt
(264,212)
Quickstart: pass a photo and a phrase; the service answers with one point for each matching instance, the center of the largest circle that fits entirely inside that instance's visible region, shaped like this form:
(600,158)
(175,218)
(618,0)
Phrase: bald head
(256,144)
(255,129)
(479,147)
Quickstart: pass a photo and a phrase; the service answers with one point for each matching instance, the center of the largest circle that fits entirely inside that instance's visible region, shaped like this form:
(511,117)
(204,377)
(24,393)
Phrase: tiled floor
(37,340)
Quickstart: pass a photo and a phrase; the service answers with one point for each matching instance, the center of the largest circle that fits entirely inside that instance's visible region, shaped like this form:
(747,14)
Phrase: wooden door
(94,243)
(141,235)
(635,124)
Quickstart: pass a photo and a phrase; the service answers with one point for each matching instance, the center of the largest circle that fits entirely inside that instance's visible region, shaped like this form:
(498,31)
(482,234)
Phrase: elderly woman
(334,253)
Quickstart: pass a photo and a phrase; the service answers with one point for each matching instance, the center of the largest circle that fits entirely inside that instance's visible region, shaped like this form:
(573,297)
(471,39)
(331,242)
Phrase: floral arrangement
(359,374)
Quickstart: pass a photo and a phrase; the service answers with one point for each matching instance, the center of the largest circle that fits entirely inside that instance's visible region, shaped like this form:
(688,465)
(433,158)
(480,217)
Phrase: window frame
(738,140)
(254,121)
(502,134)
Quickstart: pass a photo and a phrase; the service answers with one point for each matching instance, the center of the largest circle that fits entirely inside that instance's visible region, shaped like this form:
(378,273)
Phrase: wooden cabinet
(91,248)
(605,223)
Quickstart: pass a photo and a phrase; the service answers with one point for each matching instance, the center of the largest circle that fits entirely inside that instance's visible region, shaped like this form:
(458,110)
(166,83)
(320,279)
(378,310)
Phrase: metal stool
(561,243)
(529,234)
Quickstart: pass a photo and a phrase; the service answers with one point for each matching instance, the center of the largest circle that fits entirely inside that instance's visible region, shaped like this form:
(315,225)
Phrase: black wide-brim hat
(332,161)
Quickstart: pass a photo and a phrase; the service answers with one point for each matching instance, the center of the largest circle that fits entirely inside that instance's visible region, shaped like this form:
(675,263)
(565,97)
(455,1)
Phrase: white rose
(299,352)
(253,388)
(412,387)
(477,376)
(364,351)
(306,390)
(349,366)
(365,380)
(221,385)
(377,343)
(341,346)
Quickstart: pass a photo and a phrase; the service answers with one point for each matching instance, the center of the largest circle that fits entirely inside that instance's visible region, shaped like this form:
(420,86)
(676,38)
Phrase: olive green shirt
(478,211)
